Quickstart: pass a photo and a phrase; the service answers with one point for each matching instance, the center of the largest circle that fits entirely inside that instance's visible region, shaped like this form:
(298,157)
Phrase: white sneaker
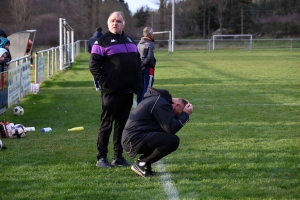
(98,89)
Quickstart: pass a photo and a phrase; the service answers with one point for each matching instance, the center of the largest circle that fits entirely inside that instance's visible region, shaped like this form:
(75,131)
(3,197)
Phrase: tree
(204,10)
(162,13)
(240,18)
(141,16)
(221,7)
(22,14)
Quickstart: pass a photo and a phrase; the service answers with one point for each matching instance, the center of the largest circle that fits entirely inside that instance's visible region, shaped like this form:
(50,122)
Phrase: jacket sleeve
(165,117)
(90,44)
(89,49)
(149,60)
(96,64)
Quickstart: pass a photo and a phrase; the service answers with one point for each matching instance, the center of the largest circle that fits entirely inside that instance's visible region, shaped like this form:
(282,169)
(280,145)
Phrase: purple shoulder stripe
(98,50)
(132,47)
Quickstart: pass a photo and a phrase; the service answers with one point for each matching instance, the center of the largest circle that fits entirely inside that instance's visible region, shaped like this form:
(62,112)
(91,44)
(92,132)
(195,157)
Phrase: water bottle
(76,129)
(48,129)
(29,129)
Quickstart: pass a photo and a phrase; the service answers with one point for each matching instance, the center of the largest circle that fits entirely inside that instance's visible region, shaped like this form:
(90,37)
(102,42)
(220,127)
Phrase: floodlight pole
(173,25)
(61,43)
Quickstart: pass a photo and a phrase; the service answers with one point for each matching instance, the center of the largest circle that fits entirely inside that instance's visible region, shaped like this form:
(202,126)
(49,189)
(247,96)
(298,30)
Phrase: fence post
(48,63)
(36,66)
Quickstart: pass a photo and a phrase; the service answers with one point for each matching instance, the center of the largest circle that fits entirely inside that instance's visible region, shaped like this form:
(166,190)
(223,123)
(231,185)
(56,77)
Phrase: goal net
(232,41)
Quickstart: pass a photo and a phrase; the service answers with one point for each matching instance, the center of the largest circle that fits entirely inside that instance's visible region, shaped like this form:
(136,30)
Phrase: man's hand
(188,108)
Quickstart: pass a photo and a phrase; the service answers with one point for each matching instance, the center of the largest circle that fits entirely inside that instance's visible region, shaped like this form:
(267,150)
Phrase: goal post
(66,44)
(233,38)
(169,40)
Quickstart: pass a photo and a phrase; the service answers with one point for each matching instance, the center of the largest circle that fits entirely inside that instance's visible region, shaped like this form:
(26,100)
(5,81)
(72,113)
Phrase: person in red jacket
(146,49)
(29,52)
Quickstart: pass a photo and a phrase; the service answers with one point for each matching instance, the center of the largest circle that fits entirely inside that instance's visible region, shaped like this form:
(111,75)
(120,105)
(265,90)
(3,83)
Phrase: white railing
(17,80)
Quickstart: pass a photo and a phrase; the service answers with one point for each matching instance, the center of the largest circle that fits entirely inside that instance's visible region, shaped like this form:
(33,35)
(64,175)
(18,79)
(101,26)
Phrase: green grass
(242,141)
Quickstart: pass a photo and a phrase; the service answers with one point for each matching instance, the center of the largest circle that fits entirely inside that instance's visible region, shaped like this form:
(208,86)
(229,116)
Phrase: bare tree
(162,14)
(186,17)
(221,7)
(21,14)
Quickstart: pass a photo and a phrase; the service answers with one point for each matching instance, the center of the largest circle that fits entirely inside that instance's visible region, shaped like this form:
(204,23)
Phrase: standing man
(115,62)
(146,49)
(151,128)
(92,40)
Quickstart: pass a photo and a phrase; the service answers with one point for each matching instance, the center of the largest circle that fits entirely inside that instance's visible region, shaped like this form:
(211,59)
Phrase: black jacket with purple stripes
(116,63)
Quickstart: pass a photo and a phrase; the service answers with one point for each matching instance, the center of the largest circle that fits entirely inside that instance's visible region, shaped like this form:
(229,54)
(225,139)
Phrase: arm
(165,117)
(89,49)
(149,60)
(96,63)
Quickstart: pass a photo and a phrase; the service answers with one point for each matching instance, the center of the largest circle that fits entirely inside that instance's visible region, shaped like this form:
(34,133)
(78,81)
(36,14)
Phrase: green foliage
(141,15)
(242,141)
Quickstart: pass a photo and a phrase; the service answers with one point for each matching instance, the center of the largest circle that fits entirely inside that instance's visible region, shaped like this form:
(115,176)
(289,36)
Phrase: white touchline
(165,177)
(166,181)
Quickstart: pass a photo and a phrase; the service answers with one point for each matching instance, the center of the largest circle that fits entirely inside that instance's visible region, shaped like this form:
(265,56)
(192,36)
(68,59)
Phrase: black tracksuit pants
(158,146)
(115,111)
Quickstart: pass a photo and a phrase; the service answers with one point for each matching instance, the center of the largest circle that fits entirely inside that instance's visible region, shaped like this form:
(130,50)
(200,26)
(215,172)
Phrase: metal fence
(49,61)
(253,45)
(15,82)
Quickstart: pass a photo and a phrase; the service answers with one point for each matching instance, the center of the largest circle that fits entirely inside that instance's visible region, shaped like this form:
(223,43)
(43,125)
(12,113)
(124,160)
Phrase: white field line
(267,54)
(251,105)
(165,177)
(166,181)
(284,123)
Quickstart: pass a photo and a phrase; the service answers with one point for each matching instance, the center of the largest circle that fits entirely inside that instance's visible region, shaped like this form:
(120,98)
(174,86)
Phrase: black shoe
(140,168)
(3,147)
(102,162)
(149,170)
(120,162)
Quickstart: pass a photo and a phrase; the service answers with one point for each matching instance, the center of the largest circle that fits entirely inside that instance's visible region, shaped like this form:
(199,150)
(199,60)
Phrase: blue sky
(135,4)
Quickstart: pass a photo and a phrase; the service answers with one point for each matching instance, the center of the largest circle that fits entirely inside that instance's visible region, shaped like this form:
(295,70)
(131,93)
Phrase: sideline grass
(242,141)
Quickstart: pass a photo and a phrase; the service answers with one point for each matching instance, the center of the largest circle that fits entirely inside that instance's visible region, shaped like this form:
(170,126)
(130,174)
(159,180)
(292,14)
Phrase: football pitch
(242,141)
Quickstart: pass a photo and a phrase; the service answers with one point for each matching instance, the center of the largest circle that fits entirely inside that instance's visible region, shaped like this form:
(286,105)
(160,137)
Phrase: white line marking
(280,56)
(251,105)
(166,181)
(165,177)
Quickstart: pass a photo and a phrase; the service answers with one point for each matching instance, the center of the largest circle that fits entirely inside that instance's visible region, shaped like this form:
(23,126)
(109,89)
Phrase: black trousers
(159,146)
(115,111)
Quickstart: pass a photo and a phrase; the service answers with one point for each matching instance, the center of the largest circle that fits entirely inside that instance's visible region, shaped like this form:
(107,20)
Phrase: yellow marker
(76,129)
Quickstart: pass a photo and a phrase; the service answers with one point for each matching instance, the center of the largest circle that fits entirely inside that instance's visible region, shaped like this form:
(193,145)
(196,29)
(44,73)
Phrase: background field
(242,141)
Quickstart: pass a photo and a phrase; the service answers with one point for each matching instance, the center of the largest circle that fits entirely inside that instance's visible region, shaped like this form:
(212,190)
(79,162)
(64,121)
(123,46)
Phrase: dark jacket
(153,114)
(116,63)
(92,40)
(2,32)
(146,49)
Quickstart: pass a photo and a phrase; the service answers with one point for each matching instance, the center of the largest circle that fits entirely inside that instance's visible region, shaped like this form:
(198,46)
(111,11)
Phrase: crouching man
(150,129)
